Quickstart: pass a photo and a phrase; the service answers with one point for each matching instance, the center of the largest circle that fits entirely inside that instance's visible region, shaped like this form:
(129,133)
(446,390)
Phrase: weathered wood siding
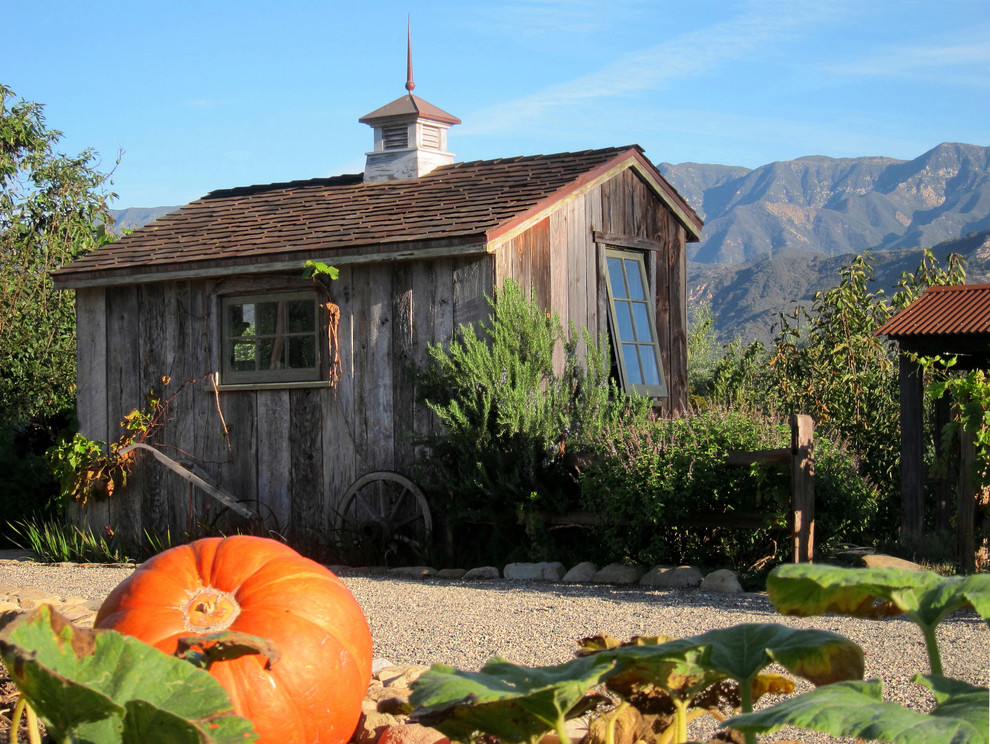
(293,452)
(563,264)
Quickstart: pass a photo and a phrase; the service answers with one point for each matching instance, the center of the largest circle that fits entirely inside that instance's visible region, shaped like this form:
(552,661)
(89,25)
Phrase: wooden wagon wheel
(385,513)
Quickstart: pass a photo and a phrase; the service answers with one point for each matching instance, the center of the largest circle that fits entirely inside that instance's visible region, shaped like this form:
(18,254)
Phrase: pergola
(951,322)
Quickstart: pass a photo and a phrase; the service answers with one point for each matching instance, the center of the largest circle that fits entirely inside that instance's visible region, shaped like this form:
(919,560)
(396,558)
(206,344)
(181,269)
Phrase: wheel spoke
(396,504)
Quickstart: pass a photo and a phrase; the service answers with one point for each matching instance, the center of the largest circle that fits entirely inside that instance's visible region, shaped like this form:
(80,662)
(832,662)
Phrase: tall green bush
(514,430)
(657,485)
(829,364)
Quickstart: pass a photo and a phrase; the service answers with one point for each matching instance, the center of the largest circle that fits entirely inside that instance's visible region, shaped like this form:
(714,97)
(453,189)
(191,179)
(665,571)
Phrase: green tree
(53,208)
(830,364)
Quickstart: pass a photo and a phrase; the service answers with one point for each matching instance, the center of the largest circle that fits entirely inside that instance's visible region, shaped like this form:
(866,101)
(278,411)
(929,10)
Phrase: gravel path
(464,624)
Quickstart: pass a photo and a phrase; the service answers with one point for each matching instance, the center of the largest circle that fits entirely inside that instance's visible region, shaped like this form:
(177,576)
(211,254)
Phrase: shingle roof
(409,105)
(943,311)
(257,224)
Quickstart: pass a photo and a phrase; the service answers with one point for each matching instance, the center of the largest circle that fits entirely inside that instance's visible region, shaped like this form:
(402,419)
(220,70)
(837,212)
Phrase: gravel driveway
(534,623)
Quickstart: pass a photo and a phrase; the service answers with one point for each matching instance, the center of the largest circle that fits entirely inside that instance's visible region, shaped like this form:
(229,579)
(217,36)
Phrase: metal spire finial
(409,74)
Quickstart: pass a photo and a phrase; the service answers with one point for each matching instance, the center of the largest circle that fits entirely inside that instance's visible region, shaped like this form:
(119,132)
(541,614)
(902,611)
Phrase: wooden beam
(966,503)
(803,487)
(626,241)
(912,450)
(168,462)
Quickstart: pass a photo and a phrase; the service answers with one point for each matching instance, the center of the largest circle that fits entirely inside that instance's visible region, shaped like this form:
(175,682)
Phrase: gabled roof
(961,310)
(468,207)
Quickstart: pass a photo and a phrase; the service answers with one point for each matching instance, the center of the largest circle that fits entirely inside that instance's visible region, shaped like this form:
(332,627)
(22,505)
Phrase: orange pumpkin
(313,693)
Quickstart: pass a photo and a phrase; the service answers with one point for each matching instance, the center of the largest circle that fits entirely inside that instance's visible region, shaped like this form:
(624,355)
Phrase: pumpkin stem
(210,610)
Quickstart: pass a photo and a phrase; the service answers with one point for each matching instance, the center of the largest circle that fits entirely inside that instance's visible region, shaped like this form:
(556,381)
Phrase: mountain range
(776,234)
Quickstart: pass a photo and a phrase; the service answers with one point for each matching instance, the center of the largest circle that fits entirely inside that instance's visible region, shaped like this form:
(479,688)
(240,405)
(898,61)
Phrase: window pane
(267,314)
(634,279)
(301,316)
(615,278)
(651,372)
(302,352)
(642,322)
(242,356)
(241,320)
(623,317)
(270,353)
(631,359)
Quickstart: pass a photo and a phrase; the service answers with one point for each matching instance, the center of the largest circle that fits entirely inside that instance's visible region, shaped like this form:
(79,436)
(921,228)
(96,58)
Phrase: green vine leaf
(740,652)
(857,709)
(102,686)
(875,593)
(513,703)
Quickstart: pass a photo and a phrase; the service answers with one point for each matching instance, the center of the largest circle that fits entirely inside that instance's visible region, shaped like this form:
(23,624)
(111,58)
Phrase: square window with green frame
(270,338)
(633,324)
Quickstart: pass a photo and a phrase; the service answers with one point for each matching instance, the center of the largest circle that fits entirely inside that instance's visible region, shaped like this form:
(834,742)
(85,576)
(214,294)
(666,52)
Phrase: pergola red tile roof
(959,310)
(472,202)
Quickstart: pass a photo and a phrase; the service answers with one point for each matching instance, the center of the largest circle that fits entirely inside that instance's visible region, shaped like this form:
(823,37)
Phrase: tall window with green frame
(633,324)
(270,338)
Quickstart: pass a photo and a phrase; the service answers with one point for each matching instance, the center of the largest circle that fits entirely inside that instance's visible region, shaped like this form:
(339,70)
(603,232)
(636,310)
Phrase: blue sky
(197,96)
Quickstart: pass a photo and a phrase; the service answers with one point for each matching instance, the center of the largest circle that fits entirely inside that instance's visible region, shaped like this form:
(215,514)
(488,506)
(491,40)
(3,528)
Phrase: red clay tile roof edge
(962,309)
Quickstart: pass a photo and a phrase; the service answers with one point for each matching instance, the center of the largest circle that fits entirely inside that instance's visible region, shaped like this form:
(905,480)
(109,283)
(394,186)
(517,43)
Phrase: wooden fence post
(966,503)
(803,487)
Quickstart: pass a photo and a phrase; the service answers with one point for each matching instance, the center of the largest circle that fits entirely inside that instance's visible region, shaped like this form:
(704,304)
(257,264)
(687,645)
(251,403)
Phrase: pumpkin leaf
(741,651)
(771,684)
(875,593)
(857,709)
(513,703)
(205,650)
(102,686)
(680,668)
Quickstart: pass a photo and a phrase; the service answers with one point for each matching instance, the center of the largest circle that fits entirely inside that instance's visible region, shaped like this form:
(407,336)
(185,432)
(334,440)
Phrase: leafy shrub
(27,487)
(514,431)
(658,486)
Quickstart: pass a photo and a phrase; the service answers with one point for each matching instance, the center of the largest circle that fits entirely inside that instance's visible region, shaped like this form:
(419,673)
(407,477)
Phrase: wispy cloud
(683,57)
(964,60)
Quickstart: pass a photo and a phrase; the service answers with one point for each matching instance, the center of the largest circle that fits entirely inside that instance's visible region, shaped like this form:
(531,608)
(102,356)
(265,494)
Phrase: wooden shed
(214,292)
(951,321)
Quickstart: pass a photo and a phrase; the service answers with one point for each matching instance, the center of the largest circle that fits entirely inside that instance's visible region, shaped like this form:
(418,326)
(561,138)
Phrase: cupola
(410,135)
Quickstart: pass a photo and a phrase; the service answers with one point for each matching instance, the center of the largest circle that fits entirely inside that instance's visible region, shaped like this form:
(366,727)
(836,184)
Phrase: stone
(371,725)
(581,572)
(401,675)
(33,603)
(619,573)
(379,664)
(543,571)
(23,594)
(413,572)
(481,573)
(672,577)
(879,560)
(723,580)
(411,733)
(451,573)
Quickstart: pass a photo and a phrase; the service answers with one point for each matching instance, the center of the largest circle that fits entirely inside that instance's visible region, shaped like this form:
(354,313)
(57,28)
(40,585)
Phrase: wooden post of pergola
(950,322)
(912,450)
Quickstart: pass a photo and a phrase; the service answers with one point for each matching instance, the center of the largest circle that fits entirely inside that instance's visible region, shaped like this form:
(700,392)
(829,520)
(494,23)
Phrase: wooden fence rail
(800,458)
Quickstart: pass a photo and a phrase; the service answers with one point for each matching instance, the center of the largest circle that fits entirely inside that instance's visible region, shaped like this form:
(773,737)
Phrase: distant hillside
(135,217)
(820,206)
(747,300)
